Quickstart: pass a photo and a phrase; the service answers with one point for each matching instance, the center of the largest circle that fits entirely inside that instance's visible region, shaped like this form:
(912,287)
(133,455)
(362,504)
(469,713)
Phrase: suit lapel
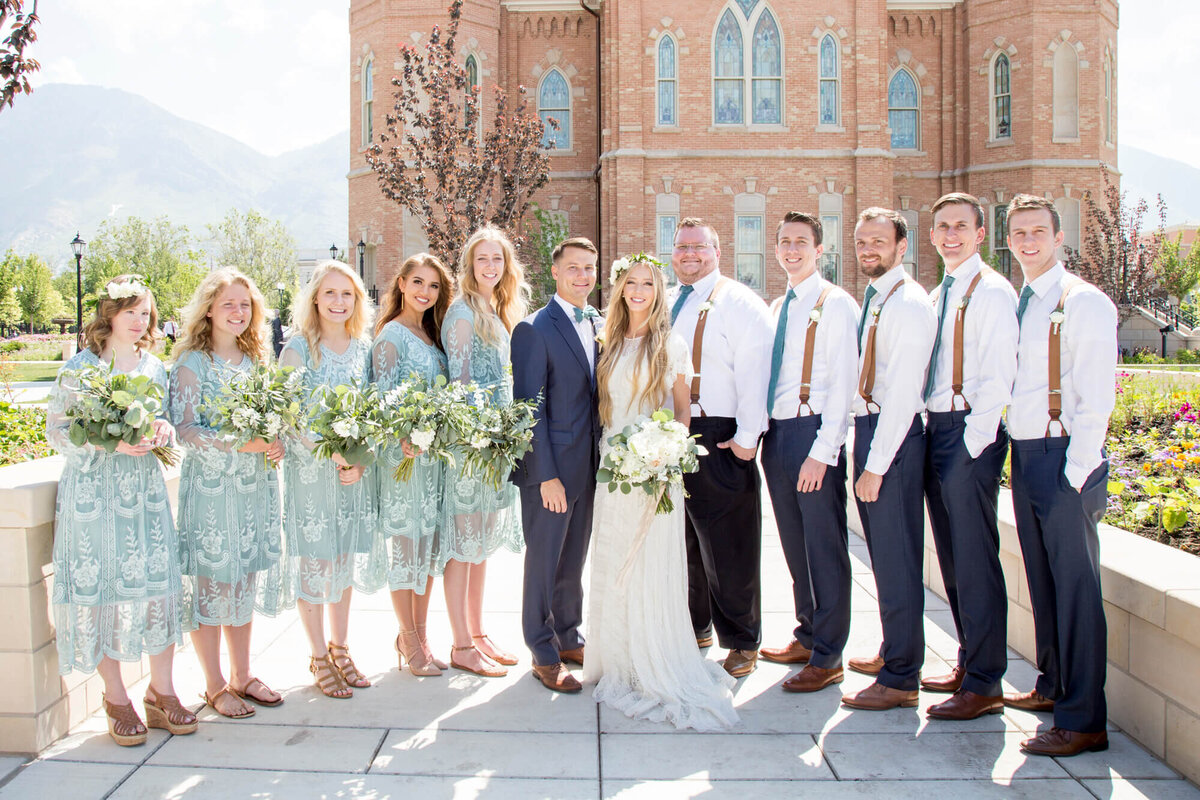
(567,329)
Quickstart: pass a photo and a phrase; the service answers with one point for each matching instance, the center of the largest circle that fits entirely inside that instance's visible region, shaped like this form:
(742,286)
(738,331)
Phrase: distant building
(740,110)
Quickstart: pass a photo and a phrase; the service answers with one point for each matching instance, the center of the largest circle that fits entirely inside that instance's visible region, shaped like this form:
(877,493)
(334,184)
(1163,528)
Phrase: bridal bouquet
(260,404)
(431,416)
(495,438)
(347,421)
(653,454)
(113,407)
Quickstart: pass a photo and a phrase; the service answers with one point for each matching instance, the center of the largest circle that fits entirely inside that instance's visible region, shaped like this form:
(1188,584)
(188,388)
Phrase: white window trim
(665,256)
(836,125)
(762,218)
(570,109)
(887,93)
(997,242)
(993,96)
(833,238)
(366,121)
(912,254)
(747,25)
(658,79)
(1110,82)
(472,55)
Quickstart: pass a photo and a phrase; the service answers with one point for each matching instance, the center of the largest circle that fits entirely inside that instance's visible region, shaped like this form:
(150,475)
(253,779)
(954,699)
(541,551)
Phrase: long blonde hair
(197,325)
(652,352)
(510,298)
(99,329)
(308,320)
(432,319)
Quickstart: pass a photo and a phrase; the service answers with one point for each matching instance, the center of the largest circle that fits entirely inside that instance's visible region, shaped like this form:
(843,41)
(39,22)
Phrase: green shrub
(10,347)
(1186,356)
(22,433)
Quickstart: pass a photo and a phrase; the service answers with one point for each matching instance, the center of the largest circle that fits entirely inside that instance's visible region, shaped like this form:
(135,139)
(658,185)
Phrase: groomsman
(895,334)
(729,330)
(968,384)
(812,383)
(1058,420)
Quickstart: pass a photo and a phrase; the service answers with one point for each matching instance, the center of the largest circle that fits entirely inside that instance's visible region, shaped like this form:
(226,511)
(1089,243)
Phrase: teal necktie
(587,312)
(931,373)
(862,320)
(1026,293)
(777,349)
(684,291)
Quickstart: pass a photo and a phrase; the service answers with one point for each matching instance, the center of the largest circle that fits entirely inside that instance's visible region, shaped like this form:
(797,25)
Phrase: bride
(641,649)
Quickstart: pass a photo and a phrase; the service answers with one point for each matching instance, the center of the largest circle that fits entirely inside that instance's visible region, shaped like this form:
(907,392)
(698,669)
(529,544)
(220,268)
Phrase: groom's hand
(554,496)
(867,487)
(812,475)
(744,453)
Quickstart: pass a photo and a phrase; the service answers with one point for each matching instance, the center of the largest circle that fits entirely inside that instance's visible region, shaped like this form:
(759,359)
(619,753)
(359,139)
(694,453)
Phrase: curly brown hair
(197,325)
(99,329)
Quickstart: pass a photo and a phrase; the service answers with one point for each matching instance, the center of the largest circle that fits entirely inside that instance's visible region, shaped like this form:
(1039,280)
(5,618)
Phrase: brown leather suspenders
(1054,357)
(866,381)
(810,341)
(960,314)
(698,342)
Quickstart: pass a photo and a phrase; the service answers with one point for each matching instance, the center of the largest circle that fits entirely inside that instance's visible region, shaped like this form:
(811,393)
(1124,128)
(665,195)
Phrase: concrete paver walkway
(460,736)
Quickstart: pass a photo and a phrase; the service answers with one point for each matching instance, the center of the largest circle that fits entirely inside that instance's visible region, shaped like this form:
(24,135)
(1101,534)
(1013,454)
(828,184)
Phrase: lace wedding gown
(640,646)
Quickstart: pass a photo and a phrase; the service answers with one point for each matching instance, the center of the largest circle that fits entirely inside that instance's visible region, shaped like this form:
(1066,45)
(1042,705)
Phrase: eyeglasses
(692,248)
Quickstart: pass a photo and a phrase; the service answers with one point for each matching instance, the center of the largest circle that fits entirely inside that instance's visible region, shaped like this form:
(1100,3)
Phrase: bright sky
(276,79)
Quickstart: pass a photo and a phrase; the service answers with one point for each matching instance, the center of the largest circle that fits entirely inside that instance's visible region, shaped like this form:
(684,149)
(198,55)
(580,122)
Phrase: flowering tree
(14,65)
(434,161)
(1177,274)
(1115,256)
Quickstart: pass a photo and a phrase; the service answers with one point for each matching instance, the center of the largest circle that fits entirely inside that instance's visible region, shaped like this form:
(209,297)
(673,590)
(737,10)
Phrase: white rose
(422,439)
(346,428)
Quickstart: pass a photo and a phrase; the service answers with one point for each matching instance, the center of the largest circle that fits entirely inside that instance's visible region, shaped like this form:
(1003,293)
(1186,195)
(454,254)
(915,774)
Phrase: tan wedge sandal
(328,679)
(124,725)
(166,712)
(339,654)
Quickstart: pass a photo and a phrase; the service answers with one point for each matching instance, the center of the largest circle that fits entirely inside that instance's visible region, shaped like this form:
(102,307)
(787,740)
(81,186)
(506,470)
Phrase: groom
(554,354)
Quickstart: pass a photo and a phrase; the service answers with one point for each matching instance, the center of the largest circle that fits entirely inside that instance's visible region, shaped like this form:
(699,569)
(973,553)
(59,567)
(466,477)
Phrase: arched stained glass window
(768,72)
(1001,98)
(472,72)
(830,73)
(729,69)
(904,114)
(554,102)
(747,6)
(666,81)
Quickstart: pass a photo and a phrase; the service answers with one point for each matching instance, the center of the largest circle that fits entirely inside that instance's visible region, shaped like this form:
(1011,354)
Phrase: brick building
(740,110)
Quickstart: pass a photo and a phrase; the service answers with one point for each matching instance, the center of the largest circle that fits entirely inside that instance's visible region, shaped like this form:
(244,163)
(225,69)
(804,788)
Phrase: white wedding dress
(641,650)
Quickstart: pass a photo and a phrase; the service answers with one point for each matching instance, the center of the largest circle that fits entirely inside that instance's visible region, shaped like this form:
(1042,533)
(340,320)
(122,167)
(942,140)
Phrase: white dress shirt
(1089,361)
(585,328)
(736,357)
(989,351)
(903,342)
(834,377)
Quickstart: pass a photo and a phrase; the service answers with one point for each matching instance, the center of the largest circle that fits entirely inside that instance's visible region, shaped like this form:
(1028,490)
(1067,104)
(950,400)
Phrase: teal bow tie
(587,312)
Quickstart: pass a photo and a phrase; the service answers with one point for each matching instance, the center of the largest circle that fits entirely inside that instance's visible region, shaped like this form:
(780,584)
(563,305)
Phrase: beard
(887,260)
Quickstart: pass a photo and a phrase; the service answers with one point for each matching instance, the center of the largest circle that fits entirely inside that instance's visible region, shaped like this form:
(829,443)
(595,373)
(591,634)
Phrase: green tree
(35,293)
(543,236)
(1175,273)
(10,307)
(158,250)
(258,246)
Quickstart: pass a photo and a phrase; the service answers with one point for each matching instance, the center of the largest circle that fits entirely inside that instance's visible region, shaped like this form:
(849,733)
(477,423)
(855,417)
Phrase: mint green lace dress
(230,529)
(116,563)
(408,510)
(330,540)
(477,520)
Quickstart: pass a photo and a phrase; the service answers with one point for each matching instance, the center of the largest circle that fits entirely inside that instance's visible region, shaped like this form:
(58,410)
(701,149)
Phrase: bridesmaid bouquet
(257,405)
(112,407)
(348,421)
(495,438)
(431,416)
(653,454)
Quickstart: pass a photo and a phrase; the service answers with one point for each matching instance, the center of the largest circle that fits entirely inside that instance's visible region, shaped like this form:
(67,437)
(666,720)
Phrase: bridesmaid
(407,342)
(477,520)
(117,583)
(328,506)
(229,521)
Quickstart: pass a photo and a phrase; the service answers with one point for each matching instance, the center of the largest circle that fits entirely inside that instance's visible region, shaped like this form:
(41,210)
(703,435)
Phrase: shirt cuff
(1076,475)
(975,442)
(746,440)
(877,464)
(823,453)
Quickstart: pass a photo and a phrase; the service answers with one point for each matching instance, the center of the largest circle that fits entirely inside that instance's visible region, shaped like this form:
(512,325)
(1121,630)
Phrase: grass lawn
(32,372)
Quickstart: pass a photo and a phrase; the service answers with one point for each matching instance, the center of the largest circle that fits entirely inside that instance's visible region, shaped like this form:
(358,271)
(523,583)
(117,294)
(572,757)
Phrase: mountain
(77,155)
(1147,175)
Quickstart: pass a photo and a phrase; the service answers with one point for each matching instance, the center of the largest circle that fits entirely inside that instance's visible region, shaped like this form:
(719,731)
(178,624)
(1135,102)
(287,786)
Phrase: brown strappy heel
(339,654)
(414,654)
(166,712)
(328,679)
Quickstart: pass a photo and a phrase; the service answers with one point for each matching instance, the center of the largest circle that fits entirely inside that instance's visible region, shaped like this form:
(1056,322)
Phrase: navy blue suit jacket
(548,357)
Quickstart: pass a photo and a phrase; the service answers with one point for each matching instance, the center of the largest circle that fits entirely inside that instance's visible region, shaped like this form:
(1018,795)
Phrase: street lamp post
(333,252)
(77,245)
(362,252)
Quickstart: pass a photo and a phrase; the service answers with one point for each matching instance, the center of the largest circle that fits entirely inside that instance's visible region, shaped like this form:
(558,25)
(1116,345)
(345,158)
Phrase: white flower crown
(131,288)
(623,264)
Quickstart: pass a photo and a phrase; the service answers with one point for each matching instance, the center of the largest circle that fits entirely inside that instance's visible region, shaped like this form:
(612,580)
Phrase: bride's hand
(554,496)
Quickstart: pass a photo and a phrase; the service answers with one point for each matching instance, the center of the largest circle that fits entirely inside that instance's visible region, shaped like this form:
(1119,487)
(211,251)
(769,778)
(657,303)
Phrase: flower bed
(22,433)
(1154,459)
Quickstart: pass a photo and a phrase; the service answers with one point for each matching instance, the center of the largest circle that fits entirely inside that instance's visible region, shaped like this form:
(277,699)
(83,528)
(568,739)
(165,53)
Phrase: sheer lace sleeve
(679,358)
(385,362)
(57,422)
(295,354)
(458,333)
(186,397)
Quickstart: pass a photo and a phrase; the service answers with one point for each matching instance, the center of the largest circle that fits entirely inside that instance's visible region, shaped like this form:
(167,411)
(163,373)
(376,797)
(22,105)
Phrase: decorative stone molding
(905,58)
(999,45)
(655,34)
(912,25)
(550,26)
(1064,38)
(827,26)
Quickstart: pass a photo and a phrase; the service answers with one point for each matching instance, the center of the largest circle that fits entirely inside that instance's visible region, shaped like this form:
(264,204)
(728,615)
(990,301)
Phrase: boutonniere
(706,307)
(961,304)
(1057,317)
(875,312)
(815,315)
(600,338)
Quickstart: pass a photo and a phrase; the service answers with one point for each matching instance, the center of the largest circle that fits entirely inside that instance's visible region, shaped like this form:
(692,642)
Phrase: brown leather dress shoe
(1029,701)
(557,678)
(574,656)
(791,653)
(813,679)
(878,697)
(740,663)
(1062,742)
(867,666)
(944,683)
(965,704)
